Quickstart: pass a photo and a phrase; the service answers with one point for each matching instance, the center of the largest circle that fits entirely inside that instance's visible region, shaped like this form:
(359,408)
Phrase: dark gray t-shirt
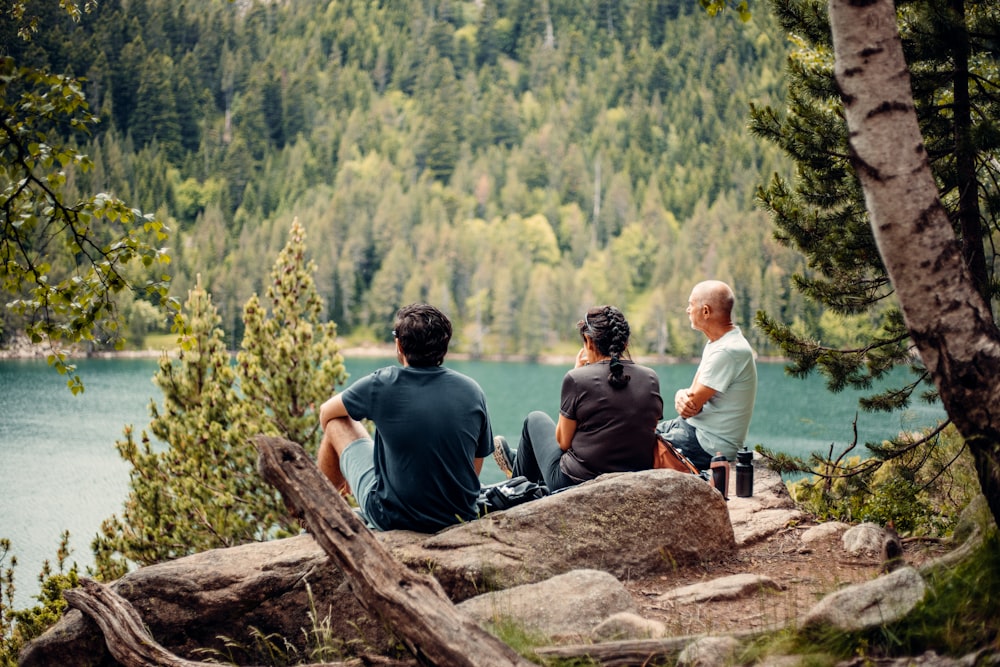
(615,428)
(430,425)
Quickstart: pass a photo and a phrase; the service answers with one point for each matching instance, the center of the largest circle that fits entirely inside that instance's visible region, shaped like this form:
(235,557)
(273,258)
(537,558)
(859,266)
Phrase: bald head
(710,308)
(716,294)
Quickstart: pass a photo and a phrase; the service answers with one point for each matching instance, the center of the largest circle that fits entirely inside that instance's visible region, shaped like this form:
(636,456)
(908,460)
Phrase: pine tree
(822,214)
(201,490)
(194,485)
(290,360)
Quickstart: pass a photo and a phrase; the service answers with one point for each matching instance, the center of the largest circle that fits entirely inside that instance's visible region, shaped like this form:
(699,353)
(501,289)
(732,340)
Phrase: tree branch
(413,605)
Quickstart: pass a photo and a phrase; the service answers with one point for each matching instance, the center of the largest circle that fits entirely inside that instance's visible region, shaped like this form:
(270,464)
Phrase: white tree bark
(950,324)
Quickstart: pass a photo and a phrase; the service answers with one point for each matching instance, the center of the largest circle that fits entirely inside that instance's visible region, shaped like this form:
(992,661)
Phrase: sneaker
(503,456)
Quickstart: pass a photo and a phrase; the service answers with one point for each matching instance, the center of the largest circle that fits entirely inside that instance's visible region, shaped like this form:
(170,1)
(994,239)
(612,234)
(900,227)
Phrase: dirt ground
(804,573)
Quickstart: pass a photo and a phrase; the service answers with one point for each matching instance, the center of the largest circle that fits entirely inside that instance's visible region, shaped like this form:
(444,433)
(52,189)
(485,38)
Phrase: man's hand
(684,405)
(689,402)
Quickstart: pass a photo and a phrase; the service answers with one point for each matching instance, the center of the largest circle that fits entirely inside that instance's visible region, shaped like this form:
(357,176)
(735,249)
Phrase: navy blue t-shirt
(430,425)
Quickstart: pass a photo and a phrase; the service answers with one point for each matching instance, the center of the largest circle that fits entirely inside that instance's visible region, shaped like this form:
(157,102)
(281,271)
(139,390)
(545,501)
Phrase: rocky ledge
(565,566)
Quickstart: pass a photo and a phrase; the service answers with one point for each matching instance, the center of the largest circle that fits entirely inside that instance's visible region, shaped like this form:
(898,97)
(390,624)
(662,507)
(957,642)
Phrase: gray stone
(823,530)
(626,625)
(869,604)
(710,652)
(191,602)
(569,605)
(723,588)
(769,510)
(628,524)
(864,539)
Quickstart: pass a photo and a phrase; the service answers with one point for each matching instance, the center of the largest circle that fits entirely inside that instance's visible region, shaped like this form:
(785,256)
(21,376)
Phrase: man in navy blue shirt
(432,432)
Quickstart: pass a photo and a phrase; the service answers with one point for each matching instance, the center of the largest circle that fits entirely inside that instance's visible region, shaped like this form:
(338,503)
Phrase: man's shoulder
(458,378)
(379,375)
(735,343)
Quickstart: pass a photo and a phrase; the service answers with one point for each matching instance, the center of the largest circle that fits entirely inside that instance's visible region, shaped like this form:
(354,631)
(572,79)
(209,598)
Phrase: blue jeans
(538,453)
(679,433)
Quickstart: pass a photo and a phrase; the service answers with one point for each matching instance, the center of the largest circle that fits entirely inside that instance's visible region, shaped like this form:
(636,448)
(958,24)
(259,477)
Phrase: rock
(626,524)
(869,604)
(864,539)
(191,602)
(975,518)
(767,511)
(626,625)
(710,652)
(723,588)
(823,530)
(567,606)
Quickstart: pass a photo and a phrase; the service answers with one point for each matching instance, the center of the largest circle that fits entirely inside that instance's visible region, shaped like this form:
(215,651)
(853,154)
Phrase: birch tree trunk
(949,321)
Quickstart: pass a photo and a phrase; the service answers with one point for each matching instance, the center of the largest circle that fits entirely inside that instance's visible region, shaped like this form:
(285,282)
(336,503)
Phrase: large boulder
(626,524)
(201,600)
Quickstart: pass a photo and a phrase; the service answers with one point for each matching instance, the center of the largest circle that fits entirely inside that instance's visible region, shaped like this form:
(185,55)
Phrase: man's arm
(333,408)
(477,463)
(689,402)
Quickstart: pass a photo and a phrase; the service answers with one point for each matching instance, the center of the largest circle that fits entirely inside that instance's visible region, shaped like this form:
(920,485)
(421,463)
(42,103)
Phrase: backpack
(668,456)
(509,493)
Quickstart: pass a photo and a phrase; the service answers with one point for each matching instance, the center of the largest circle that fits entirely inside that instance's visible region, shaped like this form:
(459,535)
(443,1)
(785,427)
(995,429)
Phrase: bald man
(714,412)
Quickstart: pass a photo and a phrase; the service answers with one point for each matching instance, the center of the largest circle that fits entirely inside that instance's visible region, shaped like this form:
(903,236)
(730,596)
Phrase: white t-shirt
(728,367)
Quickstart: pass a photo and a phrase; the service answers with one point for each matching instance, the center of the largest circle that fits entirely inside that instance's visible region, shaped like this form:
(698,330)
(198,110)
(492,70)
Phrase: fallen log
(124,632)
(414,606)
(130,644)
(623,653)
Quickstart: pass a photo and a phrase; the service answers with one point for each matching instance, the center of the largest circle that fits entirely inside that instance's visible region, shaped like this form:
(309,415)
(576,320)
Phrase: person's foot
(503,456)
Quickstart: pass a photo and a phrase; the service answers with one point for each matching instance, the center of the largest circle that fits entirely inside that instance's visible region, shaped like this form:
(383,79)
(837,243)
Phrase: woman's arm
(565,430)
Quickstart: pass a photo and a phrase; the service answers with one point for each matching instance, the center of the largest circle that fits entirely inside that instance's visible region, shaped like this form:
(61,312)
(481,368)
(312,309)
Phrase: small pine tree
(202,489)
(290,360)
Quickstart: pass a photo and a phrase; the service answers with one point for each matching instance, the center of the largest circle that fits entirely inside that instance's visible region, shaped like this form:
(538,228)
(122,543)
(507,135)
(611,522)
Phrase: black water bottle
(744,473)
(720,474)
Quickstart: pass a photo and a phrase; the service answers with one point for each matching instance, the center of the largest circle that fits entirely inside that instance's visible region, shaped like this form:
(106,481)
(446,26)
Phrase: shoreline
(23,350)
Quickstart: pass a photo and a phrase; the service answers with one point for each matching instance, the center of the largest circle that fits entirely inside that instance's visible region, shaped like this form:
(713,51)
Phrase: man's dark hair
(423,332)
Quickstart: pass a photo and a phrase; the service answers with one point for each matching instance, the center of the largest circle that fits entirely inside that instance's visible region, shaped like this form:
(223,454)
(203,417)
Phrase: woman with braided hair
(608,413)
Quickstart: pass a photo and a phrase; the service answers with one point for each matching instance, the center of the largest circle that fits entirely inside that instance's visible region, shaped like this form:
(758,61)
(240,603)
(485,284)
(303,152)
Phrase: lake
(59,469)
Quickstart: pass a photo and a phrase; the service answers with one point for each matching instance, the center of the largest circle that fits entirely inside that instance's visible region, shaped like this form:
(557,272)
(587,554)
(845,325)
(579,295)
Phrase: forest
(513,162)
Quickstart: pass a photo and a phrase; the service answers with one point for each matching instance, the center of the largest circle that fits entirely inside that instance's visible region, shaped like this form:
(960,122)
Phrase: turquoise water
(59,469)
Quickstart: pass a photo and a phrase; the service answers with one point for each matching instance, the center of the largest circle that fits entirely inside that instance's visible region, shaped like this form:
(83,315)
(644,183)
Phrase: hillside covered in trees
(512,161)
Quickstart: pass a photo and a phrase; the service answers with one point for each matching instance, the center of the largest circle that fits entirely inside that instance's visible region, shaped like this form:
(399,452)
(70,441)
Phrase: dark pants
(538,453)
(679,433)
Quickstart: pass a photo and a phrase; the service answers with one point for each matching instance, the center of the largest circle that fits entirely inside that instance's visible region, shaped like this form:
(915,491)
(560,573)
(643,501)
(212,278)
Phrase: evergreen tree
(156,117)
(202,490)
(290,360)
(822,213)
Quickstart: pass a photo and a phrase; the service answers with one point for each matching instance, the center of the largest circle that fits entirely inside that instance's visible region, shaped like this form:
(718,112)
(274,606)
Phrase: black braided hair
(609,330)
